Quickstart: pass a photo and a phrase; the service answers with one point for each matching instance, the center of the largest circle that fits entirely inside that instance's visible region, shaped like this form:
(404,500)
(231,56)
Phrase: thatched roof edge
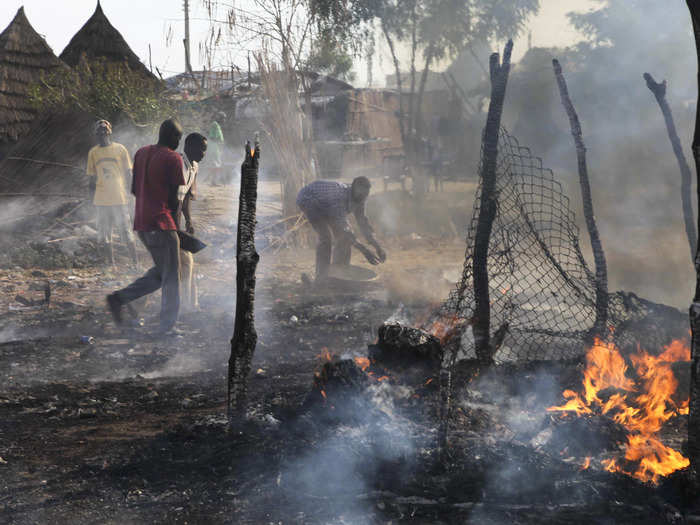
(98,38)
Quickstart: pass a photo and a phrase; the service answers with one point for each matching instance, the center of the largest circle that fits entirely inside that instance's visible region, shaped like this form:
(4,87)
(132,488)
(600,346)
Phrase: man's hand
(189,228)
(371,258)
(381,254)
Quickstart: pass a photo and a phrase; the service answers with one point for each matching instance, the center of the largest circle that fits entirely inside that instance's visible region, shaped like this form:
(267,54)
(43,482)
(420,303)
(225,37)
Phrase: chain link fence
(541,290)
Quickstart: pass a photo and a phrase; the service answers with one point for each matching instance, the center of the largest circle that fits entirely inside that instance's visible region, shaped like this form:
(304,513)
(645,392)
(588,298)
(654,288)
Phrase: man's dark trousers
(164,247)
(327,232)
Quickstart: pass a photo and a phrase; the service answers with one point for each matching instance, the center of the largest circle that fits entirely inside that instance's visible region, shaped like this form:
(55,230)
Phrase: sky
(160,24)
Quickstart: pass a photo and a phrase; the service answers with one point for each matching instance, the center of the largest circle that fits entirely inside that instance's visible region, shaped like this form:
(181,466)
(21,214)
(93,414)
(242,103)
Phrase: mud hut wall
(435,105)
(372,114)
(51,159)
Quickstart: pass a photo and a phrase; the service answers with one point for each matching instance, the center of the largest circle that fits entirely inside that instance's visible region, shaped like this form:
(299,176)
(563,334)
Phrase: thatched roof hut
(24,57)
(98,38)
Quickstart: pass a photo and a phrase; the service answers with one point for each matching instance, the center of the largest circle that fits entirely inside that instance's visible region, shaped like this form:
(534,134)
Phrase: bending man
(326,205)
(158,172)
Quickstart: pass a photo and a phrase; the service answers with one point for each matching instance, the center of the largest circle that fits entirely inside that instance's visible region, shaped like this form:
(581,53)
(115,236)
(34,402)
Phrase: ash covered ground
(132,428)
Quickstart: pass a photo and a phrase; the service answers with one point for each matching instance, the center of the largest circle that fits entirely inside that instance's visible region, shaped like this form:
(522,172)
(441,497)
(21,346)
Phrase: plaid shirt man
(327,200)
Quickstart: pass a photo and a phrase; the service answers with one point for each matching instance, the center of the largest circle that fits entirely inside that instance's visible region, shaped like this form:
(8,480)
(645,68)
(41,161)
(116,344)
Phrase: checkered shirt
(324,199)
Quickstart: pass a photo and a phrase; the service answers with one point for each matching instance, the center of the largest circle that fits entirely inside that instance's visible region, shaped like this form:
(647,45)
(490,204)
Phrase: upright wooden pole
(186,41)
(694,414)
(244,335)
(601,267)
(659,91)
(488,205)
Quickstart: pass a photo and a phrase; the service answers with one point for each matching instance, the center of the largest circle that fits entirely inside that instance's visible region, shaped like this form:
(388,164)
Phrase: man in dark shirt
(158,171)
(326,205)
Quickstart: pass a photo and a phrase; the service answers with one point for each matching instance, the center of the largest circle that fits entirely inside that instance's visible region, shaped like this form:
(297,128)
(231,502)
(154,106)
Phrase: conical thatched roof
(98,38)
(24,57)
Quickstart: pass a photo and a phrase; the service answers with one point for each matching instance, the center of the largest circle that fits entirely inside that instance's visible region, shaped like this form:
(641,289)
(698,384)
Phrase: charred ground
(132,429)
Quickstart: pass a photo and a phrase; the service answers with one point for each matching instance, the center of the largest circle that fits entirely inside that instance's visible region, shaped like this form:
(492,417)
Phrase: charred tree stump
(601,268)
(694,415)
(488,206)
(659,91)
(244,335)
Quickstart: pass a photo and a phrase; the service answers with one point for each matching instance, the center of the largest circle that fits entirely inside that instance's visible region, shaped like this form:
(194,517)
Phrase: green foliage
(444,27)
(331,57)
(103,89)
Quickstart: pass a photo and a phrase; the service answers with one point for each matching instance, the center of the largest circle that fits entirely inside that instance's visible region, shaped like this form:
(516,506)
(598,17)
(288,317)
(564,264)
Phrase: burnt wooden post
(244,335)
(659,91)
(601,268)
(488,206)
(694,415)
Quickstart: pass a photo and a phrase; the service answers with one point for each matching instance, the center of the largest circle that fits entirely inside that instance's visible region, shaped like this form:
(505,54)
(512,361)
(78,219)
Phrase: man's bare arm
(189,228)
(368,232)
(365,226)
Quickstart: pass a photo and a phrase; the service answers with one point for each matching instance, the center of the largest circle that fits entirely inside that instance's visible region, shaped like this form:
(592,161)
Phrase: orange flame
(325,355)
(586,463)
(444,328)
(641,406)
(362,362)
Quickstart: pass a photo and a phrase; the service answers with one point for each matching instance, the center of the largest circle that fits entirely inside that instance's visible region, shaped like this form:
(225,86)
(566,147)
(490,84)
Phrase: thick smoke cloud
(633,172)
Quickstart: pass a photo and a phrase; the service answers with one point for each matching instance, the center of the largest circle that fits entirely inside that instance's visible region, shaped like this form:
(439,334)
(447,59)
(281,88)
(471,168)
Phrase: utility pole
(186,41)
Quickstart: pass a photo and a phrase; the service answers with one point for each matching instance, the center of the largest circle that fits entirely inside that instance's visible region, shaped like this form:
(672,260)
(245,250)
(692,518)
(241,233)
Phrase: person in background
(158,172)
(326,204)
(109,169)
(216,153)
(195,149)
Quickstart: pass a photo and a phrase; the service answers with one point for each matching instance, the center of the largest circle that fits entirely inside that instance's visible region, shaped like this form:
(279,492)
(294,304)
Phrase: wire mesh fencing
(541,290)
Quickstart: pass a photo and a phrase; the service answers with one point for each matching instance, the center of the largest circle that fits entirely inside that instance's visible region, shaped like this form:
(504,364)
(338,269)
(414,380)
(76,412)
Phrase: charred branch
(694,414)
(244,335)
(488,205)
(659,91)
(601,269)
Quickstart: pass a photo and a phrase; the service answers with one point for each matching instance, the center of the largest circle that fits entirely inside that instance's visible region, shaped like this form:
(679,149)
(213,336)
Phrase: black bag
(190,243)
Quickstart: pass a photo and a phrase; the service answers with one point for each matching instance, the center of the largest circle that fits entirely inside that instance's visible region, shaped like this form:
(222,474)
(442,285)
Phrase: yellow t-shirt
(110,164)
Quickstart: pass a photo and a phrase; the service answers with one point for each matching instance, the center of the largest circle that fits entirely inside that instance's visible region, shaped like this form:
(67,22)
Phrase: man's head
(360,189)
(170,133)
(195,146)
(103,131)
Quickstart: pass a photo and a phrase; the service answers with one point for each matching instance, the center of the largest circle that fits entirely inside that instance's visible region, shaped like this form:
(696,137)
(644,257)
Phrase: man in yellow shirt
(109,169)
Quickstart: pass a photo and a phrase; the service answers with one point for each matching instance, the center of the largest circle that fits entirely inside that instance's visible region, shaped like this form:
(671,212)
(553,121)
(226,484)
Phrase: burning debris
(405,347)
(640,399)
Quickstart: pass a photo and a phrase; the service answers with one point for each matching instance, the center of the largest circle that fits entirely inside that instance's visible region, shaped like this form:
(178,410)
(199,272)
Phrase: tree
(431,30)
(659,91)
(488,206)
(287,43)
(244,335)
(601,267)
(694,414)
(619,36)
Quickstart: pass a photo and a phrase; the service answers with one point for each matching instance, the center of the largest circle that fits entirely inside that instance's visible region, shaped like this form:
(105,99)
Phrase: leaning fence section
(542,292)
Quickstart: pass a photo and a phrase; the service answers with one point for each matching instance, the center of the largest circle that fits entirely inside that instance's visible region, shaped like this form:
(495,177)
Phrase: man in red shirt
(158,171)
